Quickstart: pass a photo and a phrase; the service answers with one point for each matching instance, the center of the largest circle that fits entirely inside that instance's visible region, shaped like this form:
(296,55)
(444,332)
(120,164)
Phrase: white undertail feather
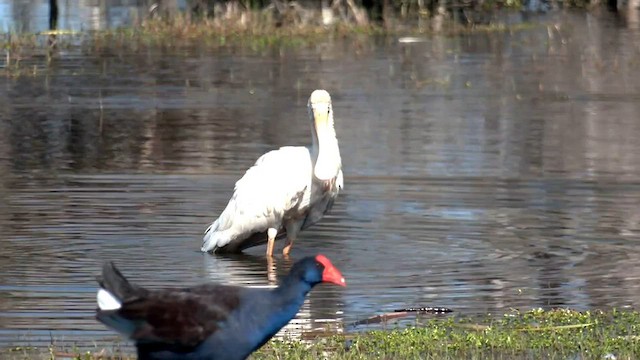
(106,301)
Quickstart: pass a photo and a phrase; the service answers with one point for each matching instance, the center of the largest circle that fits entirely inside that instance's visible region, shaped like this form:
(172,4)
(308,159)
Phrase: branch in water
(428,310)
(400,313)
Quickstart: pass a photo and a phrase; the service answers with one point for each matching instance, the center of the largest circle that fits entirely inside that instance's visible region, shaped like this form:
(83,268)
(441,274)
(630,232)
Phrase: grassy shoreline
(32,55)
(256,29)
(535,334)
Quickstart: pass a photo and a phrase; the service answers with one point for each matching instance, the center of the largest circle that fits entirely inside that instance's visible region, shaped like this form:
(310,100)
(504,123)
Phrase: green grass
(536,334)
(559,334)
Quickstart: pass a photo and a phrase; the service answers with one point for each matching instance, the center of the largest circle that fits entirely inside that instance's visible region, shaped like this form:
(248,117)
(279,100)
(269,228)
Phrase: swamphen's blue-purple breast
(210,321)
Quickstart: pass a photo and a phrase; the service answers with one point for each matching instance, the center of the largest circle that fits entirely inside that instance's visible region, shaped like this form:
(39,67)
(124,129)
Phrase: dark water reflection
(483,172)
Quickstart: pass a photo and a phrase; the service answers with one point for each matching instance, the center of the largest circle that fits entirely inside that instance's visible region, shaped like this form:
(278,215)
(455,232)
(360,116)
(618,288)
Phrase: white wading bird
(285,191)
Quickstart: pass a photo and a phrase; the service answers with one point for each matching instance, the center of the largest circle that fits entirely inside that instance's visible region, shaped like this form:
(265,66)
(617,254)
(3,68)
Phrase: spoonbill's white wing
(279,181)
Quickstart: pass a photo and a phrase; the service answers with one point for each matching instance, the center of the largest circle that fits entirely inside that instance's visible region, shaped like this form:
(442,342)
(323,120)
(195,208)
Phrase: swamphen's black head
(317,269)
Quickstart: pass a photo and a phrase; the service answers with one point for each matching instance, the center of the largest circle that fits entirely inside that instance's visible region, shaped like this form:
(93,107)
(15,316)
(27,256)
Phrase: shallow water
(483,172)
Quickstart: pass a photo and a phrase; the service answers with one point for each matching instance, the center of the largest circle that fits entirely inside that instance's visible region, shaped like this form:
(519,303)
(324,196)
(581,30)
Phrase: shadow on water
(482,172)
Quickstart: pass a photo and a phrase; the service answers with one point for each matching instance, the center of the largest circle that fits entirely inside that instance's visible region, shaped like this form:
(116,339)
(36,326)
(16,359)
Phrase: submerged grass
(536,334)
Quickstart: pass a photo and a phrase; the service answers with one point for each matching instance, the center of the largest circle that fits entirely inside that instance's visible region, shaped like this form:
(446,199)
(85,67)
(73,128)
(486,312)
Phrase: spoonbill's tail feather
(210,240)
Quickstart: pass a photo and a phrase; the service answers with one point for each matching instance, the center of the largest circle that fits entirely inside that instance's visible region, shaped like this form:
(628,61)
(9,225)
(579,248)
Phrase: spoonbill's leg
(293,228)
(271,239)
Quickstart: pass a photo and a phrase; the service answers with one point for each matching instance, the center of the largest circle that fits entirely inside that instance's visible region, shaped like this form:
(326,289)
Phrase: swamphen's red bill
(209,321)
(330,274)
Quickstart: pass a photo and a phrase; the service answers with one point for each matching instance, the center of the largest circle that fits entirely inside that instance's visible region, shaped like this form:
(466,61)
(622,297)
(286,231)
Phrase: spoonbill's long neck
(325,143)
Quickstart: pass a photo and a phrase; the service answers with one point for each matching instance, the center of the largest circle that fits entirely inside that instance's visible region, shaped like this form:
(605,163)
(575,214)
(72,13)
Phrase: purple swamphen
(208,321)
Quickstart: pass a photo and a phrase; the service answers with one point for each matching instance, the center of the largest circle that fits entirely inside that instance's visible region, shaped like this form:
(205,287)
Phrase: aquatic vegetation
(535,334)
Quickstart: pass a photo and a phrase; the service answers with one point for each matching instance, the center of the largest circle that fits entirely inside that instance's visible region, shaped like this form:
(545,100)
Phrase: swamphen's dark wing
(182,318)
